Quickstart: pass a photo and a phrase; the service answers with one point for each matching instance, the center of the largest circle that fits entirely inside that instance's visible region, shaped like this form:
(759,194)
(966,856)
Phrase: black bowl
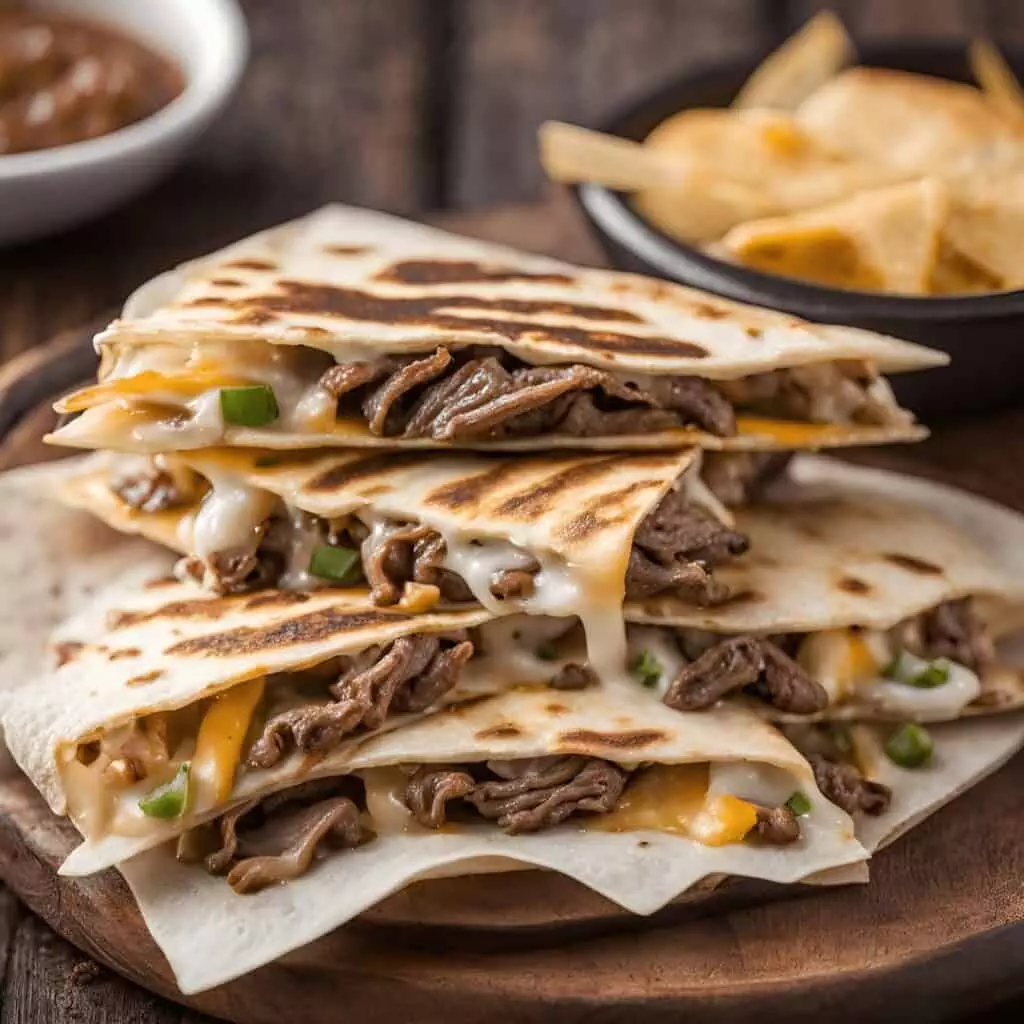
(984,334)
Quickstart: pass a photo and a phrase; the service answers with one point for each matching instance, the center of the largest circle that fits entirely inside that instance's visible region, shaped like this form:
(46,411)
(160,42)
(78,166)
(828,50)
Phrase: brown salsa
(64,79)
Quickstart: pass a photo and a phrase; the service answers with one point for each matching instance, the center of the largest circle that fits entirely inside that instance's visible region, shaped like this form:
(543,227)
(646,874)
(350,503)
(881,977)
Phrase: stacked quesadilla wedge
(480,644)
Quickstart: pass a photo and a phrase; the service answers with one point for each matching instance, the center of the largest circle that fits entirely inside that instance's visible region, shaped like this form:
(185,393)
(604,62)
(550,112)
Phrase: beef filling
(411,674)
(843,784)
(537,793)
(147,487)
(521,796)
(742,478)
(950,630)
(754,663)
(265,842)
(483,393)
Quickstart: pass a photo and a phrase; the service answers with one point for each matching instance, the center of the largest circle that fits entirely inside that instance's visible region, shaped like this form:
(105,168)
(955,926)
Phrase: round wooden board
(936,934)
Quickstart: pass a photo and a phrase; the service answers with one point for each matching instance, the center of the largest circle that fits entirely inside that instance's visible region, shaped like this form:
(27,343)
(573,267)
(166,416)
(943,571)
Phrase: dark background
(409,105)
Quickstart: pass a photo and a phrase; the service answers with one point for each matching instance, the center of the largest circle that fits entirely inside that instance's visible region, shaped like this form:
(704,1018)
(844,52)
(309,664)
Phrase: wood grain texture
(517,62)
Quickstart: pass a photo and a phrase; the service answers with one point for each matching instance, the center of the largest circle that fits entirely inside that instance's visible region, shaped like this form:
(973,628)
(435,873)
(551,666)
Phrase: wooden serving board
(937,934)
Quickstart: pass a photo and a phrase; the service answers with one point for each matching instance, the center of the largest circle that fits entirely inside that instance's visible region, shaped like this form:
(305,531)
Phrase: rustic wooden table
(407,105)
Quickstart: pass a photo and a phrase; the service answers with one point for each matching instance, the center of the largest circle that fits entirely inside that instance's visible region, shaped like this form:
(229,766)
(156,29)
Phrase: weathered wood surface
(411,104)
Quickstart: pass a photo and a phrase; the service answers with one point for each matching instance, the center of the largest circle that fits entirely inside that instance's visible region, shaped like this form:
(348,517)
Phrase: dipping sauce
(64,79)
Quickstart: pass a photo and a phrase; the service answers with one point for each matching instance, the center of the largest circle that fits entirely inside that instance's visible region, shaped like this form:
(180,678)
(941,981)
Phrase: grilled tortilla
(638,802)
(185,701)
(851,604)
(546,535)
(210,935)
(351,328)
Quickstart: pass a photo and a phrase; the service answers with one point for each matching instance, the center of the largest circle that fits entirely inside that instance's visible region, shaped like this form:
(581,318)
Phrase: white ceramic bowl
(50,189)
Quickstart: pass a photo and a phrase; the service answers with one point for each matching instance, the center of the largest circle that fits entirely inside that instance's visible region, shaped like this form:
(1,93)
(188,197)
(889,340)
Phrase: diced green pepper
(170,799)
(341,565)
(252,406)
(799,803)
(910,746)
(647,669)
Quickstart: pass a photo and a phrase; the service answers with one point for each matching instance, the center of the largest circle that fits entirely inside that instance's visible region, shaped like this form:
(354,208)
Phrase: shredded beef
(646,578)
(678,531)
(480,393)
(950,630)
(742,478)
(573,677)
(413,673)
(513,583)
(378,406)
(846,787)
(777,825)
(431,788)
(745,661)
(275,840)
(525,796)
(148,489)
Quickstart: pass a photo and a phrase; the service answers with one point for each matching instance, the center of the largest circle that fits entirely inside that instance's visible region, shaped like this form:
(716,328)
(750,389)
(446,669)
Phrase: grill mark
(251,264)
(540,497)
(555,709)
(124,652)
(346,250)
(287,460)
(500,732)
(596,517)
(67,651)
(462,272)
(739,597)
(277,599)
(159,581)
(853,585)
(471,490)
(227,282)
(309,628)
(361,470)
(629,740)
(912,564)
(296,297)
(146,677)
(208,608)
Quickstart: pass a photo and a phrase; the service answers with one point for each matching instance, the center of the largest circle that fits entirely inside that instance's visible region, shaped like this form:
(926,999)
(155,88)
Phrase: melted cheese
(384,808)
(661,644)
(219,743)
(791,434)
(231,518)
(840,659)
(677,798)
(166,388)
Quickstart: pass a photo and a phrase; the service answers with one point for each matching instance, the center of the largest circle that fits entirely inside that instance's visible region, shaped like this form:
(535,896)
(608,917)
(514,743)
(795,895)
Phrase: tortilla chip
(885,240)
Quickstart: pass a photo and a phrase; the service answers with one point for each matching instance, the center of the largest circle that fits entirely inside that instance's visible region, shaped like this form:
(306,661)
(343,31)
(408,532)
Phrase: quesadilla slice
(633,800)
(186,701)
(351,328)
(848,606)
(564,535)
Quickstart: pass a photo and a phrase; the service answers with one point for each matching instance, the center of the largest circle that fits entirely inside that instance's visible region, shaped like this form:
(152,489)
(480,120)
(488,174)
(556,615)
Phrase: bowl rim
(612,213)
(226,38)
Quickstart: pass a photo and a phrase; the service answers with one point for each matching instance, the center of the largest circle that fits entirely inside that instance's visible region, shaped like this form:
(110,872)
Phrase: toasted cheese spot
(67,651)
(124,652)
(912,564)
(634,739)
(146,677)
(304,629)
(708,312)
(500,732)
(440,312)
(255,318)
(463,272)
(853,585)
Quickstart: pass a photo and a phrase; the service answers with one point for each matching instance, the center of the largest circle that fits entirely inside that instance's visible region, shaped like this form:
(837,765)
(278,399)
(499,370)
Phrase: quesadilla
(351,328)
(547,535)
(633,800)
(210,935)
(849,605)
(186,701)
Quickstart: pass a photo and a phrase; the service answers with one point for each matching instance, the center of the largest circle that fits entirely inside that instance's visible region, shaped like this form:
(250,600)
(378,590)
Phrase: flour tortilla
(225,935)
(355,284)
(848,547)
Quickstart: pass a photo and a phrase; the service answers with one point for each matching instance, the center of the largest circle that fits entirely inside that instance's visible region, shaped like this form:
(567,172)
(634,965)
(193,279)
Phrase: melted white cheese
(662,646)
(230,518)
(947,700)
